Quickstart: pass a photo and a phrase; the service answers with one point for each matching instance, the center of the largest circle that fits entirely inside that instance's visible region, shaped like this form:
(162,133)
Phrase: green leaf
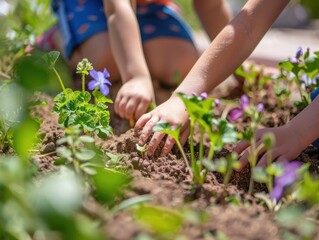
(59,194)
(115,158)
(31,74)
(160,220)
(109,184)
(164,127)
(275,169)
(64,152)
(86,139)
(84,154)
(260,174)
(132,202)
(25,136)
(88,170)
(83,98)
(141,148)
(100,98)
(50,58)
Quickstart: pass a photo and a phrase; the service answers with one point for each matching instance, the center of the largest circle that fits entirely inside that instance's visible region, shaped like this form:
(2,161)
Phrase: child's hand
(134,98)
(173,112)
(287,145)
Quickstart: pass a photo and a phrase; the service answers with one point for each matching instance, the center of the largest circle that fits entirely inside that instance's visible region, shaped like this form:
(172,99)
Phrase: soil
(166,180)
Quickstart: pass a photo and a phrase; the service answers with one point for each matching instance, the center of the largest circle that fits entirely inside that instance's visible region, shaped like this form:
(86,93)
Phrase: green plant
(219,131)
(303,70)
(255,114)
(225,166)
(74,107)
(255,80)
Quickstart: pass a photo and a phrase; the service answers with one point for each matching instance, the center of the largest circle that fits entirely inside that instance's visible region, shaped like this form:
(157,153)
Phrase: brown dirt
(165,179)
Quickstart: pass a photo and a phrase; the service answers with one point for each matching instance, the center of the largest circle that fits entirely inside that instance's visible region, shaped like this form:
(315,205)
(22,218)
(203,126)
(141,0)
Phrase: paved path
(278,44)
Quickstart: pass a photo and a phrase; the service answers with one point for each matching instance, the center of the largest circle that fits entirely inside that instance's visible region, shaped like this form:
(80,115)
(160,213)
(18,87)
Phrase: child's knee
(171,73)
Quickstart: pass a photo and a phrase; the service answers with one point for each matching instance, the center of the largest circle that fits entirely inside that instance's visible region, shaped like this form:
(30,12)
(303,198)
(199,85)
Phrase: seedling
(303,70)
(255,115)
(200,110)
(141,149)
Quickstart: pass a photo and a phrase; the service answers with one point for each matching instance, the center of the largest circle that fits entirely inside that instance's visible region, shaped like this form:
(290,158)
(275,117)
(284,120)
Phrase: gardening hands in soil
(163,113)
(134,99)
(287,146)
(290,139)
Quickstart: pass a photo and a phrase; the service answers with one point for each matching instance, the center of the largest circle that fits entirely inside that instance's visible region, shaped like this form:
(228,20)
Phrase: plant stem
(191,143)
(201,145)
(83,82)
(252,160)
(270,178)
(60,80)
(184,156)
(46,154)
(2,74)
(211,151)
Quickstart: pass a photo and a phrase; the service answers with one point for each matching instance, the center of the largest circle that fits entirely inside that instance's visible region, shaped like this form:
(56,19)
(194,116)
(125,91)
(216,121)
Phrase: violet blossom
(202,96)
(100,79)
(295,59)
(288,177)
(238,112)
(260,107)
(217,102)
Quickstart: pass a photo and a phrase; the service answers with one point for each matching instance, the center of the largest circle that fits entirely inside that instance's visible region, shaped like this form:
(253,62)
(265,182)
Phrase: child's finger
(121,107)
(141,122)
(241,146)
(169,144)
(154,143)
(116,103)
(130,109)
(141,109)
(243,160)
(147,130)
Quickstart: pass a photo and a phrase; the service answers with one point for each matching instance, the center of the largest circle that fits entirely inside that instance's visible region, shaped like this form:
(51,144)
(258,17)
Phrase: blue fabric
(313,95)
(79,20)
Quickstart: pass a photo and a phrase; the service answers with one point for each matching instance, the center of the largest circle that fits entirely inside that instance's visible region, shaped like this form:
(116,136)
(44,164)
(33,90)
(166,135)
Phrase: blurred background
(21,21)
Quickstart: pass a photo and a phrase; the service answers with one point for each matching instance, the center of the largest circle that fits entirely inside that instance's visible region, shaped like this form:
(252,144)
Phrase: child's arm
(213,15)
(228,50)
(291,139)
(136,94)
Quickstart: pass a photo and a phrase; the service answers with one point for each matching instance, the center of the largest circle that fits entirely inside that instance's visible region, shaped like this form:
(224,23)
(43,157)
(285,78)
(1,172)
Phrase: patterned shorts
(79,20)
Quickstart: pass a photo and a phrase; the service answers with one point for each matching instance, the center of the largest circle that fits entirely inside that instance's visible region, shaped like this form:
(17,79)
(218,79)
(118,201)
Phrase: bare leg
(97,50)
(169,59)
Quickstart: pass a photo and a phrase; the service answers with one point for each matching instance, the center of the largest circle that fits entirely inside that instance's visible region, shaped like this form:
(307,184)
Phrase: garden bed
(168,184)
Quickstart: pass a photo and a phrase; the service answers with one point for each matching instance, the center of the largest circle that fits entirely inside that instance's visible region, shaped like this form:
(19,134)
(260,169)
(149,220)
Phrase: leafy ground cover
(71,169)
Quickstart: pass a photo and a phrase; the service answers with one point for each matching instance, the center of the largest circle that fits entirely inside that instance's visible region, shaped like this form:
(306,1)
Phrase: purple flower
(238,112)
(235,114)
(295,59)
(288,177)
(100,79)
(299,52)
(260,107)
(217,102)
(202,96)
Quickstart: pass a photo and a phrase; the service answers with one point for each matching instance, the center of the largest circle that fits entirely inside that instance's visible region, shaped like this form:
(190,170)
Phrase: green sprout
(303,71)
(141,149)
(255,114)
(200,110)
